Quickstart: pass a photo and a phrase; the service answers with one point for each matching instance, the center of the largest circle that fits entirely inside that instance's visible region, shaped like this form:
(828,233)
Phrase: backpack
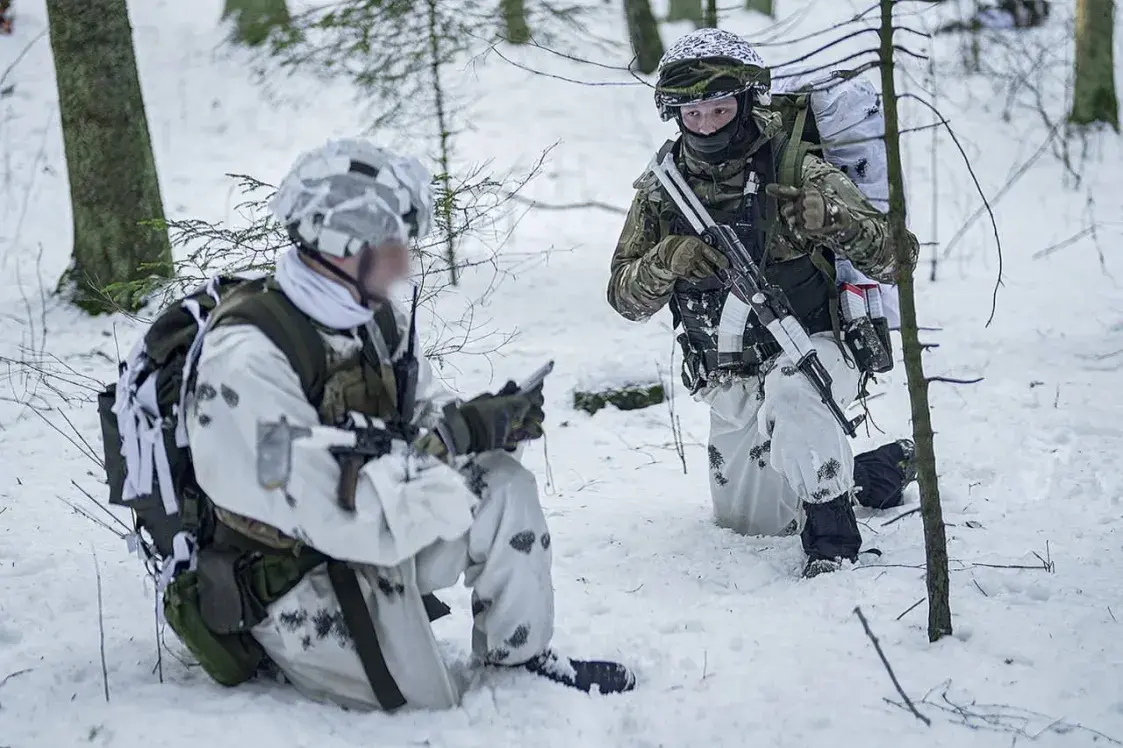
(838,116)
(215,589)
(147,459)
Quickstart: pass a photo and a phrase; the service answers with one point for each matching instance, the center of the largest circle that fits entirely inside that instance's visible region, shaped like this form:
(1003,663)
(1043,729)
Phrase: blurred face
(707,117)
(389,264)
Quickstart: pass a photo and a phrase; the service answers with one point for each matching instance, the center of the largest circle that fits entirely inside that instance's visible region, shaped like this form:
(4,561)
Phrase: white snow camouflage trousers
(773,445)
(505,558)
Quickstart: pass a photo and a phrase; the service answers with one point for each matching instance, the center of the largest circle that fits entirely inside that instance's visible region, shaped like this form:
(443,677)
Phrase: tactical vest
(697,306)
(335,383)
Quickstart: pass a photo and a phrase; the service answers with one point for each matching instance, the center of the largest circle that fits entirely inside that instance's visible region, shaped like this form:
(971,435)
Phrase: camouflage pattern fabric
(640,285)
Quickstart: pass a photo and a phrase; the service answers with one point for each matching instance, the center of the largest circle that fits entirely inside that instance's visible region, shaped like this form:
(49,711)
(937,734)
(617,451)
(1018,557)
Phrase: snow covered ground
(731,647)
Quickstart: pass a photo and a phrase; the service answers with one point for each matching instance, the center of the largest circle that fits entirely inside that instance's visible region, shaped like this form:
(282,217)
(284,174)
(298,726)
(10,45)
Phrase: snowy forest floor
(731,647)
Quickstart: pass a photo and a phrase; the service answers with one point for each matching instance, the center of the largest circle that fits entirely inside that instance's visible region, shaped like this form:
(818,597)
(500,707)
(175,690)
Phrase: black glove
(485,422)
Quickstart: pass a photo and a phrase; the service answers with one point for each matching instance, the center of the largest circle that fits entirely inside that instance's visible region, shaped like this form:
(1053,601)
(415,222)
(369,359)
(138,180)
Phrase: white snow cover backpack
(842,113)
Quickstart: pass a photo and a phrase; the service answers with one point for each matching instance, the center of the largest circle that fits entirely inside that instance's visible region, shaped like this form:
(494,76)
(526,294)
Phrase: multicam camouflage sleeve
(639,285)
(869,242)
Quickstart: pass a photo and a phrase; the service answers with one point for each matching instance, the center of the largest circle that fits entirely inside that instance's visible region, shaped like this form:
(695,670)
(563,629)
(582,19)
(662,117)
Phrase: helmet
(708,64)
(350,194)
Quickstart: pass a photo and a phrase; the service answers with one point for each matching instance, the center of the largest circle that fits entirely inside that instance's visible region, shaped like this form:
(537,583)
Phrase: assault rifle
(353,444)
(745,280)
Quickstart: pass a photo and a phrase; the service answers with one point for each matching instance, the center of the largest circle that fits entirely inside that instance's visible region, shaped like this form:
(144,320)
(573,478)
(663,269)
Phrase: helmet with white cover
(705,65)
(708,64)
(350,194)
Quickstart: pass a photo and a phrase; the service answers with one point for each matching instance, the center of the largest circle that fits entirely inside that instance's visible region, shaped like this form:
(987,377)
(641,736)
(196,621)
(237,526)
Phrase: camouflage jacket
(640,285)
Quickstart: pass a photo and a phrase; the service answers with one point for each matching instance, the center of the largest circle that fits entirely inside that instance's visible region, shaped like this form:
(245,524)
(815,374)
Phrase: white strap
(183,558)
(192,306)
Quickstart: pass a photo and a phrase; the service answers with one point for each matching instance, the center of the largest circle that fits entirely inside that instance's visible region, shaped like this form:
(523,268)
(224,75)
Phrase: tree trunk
(709,19)
(514,21)
(935,540)
(254,20)
(767,7)
(112,173)
(685,10)
(1093,95)
(444,140)
(643,33)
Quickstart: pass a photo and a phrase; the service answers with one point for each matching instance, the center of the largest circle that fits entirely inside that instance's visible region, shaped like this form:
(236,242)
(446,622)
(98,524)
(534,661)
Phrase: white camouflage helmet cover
(350,193)
(710,43)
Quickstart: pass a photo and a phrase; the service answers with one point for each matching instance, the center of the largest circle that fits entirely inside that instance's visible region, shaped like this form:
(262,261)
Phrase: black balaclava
(730,142)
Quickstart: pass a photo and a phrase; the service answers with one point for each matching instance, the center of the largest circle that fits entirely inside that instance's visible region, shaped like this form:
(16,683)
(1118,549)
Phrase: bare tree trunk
(255,19)
(767,7)
(972,50)
(709,20)
(1093,95)
(514,21)
(112,173)
(935,540)
(643,33)
(444,140)
(685,10)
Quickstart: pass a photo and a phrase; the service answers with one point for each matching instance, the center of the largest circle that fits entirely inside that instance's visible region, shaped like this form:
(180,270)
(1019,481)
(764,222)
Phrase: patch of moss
(628,397)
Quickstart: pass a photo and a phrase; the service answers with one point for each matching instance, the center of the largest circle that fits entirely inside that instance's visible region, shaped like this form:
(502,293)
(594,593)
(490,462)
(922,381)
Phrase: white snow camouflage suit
(406,537)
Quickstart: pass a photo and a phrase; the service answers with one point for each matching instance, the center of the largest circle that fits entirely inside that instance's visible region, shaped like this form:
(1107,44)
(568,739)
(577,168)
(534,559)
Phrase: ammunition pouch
(700,366)
(871,352)
(213,608)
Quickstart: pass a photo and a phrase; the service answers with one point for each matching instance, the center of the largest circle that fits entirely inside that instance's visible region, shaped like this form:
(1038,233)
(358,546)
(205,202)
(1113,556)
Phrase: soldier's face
(390,265)
(707,117)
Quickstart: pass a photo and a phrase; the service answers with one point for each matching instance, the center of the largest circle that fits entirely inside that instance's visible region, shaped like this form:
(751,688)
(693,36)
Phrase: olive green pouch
(229,658)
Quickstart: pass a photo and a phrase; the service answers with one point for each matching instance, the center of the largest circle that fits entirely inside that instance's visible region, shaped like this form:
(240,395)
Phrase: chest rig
(739,202)
(360,380)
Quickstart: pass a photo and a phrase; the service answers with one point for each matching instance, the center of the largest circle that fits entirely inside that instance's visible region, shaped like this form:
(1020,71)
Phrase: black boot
(584,675)
(882,475)
(830,535)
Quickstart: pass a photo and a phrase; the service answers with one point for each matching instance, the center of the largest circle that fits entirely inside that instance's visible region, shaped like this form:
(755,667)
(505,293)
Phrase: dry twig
(889,668)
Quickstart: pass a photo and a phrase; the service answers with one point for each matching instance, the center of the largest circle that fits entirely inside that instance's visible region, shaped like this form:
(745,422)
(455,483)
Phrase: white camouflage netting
(711,43)
(338,209)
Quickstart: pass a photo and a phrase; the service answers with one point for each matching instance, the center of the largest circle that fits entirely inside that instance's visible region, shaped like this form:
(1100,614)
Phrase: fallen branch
(1000,717)
(101,629)
(9,676)
(951,380)
(587,205)
(889,668)
(910,609)
(900,516)
(20,56)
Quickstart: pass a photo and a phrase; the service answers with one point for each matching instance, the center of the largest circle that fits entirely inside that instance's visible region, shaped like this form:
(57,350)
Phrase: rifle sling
(360,624)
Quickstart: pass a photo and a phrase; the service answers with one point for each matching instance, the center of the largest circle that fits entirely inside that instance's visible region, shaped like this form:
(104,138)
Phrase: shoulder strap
(288,328)
(789,172)
(387,323)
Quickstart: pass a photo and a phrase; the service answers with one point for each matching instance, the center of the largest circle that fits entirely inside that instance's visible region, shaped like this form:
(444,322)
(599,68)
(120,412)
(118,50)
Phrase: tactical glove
(485,422)
(530,428)
(689,258)
(808,211)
